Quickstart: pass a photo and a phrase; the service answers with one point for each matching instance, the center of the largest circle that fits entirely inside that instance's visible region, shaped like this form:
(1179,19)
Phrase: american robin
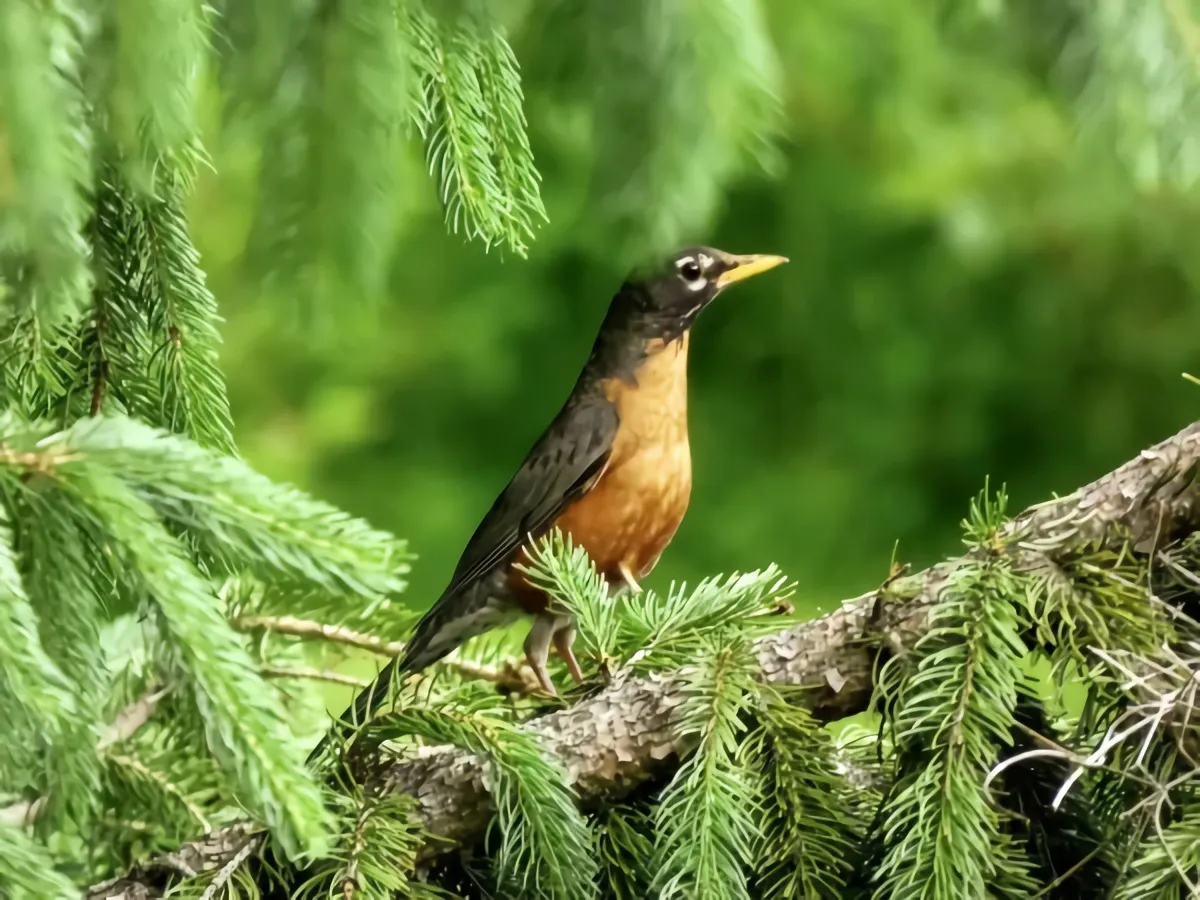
(613,471)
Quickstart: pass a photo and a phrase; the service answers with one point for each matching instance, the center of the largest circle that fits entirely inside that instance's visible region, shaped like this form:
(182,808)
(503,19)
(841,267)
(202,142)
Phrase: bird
(612,471)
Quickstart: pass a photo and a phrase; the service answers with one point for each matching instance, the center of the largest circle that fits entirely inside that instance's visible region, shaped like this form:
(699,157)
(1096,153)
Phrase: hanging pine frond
(954,711)
(471,119)
(46,139)
(707,821)
(545,848)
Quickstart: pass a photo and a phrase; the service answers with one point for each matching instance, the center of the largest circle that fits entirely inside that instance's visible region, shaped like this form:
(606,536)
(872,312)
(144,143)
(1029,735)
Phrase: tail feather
(445,627)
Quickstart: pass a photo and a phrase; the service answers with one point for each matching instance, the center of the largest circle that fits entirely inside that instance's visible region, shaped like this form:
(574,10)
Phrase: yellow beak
(743,267)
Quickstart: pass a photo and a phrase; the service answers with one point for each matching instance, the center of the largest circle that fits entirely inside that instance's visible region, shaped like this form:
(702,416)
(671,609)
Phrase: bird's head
(662,301)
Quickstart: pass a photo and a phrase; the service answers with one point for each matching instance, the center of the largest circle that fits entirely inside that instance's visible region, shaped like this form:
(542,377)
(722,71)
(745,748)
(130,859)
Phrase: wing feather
(562,466)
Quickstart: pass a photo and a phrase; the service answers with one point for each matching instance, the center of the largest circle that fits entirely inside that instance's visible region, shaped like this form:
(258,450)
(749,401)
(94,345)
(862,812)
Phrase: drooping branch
(619,737)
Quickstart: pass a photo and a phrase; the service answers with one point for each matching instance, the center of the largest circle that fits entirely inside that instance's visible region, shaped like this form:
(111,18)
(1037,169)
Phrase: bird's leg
(628,578)
(537,648)
(564,637)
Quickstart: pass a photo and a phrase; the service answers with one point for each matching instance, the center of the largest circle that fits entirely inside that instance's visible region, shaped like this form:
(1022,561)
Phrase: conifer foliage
(159,598)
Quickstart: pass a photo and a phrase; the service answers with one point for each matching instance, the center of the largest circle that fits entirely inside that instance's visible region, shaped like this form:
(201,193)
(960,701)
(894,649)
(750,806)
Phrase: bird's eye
(690,271)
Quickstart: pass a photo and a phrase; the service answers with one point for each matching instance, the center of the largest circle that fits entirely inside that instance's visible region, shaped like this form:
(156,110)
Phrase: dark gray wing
(560,468)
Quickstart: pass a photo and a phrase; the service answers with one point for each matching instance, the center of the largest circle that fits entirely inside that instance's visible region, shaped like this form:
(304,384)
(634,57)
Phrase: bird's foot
(545,685)
(563,639)
(537,649)
(627,577)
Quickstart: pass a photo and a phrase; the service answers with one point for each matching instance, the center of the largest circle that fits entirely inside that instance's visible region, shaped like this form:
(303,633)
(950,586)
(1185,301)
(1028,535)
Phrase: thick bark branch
(623,735)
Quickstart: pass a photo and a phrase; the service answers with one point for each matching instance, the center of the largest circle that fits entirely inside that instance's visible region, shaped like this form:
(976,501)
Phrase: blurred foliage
(978,287)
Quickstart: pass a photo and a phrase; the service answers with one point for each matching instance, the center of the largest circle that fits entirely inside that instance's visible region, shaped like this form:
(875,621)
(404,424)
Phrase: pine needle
(707,820)
(47,141)
(27,870)
(545,848)
(244,723)
(810,833)
(183,317)
(241,517)
(159,56)
(954,711)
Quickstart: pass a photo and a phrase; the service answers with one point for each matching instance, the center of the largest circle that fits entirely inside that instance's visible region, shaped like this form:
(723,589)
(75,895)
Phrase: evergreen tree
(157,690)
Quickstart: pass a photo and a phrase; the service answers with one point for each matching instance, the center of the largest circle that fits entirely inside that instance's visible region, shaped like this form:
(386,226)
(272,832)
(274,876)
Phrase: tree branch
(612,741)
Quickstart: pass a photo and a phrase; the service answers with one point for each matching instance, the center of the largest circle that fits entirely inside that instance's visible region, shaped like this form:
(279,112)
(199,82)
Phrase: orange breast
(634,509)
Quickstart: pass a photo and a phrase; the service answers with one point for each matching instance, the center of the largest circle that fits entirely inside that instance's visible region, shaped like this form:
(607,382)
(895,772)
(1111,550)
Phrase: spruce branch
(624,835)
(955,700)
(242,518)
(1167,863)
(159,57)
(27,870)
(115,338)
(707,819)
(47,140)
(691,99)
(182,312)
(35,690)
(245,727)
(370,859)
(807,847)
(471,119)
(337,99)
(546,845)
(614,740)
(1142,90)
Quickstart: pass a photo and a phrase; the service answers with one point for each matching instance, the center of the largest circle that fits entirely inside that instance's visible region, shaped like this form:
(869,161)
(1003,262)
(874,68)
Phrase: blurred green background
(976,289)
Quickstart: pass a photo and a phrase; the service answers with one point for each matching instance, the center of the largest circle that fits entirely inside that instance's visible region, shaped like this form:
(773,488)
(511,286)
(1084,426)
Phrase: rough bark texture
(617,738)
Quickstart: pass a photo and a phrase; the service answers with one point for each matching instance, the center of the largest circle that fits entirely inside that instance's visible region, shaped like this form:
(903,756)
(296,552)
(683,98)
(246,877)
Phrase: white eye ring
(691,273)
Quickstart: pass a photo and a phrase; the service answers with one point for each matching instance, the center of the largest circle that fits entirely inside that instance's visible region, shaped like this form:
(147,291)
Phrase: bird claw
(628,578)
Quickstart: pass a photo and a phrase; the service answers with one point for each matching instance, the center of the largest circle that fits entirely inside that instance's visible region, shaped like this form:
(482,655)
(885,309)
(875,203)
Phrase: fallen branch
(616,739)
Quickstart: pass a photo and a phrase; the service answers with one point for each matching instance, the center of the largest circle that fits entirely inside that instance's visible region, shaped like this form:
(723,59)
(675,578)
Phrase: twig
(511,675)
(168,787)
(310,630)
(126,725)
(312,674)
(130,720)
(227,870)
(514,674)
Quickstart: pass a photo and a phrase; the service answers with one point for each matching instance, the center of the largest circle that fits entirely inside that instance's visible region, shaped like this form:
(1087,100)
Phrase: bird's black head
(662,301)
